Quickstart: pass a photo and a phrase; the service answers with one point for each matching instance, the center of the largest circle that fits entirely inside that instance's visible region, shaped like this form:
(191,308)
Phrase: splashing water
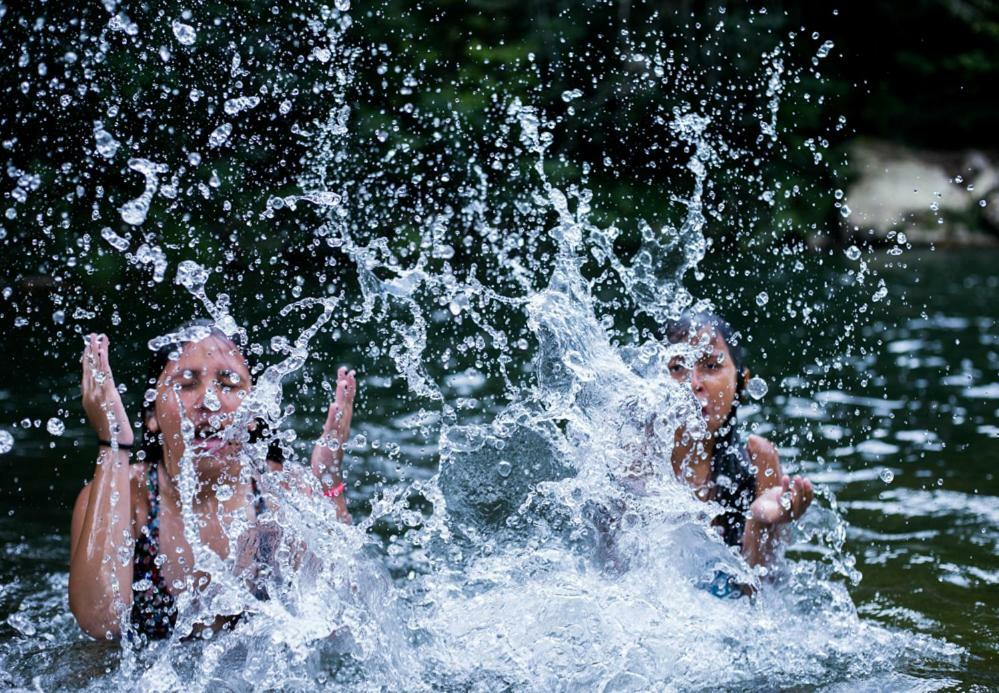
(548,544)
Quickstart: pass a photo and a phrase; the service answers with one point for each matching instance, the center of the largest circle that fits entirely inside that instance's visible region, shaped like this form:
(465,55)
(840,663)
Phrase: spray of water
(548,546)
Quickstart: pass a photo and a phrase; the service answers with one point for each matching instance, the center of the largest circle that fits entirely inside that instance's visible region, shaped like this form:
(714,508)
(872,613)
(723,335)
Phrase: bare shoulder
(761,450)
(764,457)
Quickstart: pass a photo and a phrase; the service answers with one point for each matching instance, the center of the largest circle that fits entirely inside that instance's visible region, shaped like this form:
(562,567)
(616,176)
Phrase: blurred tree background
(405,96)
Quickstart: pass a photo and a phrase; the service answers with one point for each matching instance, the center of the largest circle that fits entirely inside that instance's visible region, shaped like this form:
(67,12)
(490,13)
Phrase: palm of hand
(783,503)
(327,455)
(101,399)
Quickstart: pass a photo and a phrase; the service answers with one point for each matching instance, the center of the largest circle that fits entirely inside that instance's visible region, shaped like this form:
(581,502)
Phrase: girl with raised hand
(744,478)
(128,542)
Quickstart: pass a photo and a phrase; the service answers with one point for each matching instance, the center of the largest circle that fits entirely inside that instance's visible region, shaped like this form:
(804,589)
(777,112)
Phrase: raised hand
(327,456)
(101,399)
(783,503)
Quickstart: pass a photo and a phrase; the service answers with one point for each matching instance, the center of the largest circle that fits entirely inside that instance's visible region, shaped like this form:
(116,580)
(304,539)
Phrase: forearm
(100,571)
(761,542)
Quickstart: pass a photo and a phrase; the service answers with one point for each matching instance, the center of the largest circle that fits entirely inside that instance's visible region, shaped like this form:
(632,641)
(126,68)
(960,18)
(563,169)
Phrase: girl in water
(746,480)
(128,548)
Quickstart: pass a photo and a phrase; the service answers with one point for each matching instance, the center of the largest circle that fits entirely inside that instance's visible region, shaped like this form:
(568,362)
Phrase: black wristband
(107,444)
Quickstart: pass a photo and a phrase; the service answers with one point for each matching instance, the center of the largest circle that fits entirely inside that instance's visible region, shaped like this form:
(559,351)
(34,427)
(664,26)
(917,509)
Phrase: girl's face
(206,385)
(712,378)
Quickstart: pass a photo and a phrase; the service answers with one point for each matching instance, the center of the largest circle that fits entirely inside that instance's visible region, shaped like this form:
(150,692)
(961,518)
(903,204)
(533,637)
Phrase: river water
(508,381)
(906,441)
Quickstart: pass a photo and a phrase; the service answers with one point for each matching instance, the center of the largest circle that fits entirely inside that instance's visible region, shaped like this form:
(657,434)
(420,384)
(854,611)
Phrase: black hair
(166,350)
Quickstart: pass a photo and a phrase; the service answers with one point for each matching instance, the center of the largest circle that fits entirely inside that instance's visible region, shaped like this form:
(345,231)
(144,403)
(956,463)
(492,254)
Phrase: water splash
(135,211)
(550,545)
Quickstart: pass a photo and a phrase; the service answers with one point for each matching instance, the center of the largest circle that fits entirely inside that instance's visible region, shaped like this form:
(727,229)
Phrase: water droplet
(844,211)
(757,387)
(342,5)
(192,276)
(152,255)
(762,298)
(184,33)
(323,198)
(220,135)
(107,146)
(824,49)
(55,426)
(241,103)
(571,94)
(504,468)
(224,492)
(853,252)
(116,241)
(887,475)
(212,402)
(134,211)
(6,442)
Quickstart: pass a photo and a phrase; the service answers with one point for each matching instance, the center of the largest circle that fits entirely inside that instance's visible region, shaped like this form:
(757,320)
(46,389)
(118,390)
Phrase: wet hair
(168,347)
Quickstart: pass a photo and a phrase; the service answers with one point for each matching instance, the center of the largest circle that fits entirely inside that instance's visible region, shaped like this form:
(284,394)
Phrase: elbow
(95,616)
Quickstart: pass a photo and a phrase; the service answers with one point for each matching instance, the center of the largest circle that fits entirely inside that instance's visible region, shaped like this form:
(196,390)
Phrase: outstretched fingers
(802,495)
(345,390)
(341,410)
(86,361)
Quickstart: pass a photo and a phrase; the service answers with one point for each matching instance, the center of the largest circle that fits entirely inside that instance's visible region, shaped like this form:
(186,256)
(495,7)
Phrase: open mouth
(209,438)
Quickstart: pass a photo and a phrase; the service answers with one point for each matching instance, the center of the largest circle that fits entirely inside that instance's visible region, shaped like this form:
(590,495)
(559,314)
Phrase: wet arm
(101,547)
(760,540)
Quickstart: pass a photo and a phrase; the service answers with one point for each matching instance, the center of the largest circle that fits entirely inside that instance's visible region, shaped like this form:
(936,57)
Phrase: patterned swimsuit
(154,611)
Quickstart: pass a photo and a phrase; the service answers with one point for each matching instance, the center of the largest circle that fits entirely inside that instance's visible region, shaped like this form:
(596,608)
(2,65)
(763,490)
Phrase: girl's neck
(205,502)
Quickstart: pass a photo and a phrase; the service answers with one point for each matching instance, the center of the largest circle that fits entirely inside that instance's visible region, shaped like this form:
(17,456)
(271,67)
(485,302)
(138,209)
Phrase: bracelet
(334,491)
(107,444)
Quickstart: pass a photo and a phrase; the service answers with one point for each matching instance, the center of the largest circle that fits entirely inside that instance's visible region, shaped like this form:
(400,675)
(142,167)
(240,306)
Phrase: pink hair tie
(334,491)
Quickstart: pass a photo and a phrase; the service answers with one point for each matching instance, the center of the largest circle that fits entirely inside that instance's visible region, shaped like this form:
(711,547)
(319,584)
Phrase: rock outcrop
(934,198)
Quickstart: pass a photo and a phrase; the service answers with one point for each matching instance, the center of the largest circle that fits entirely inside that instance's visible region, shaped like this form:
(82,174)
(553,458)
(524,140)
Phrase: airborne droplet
(184,33)
(757,387)
(220,135)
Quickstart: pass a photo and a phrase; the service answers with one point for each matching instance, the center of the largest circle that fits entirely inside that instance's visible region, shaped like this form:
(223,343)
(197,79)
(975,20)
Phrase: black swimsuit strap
(735,488)
(153,493)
